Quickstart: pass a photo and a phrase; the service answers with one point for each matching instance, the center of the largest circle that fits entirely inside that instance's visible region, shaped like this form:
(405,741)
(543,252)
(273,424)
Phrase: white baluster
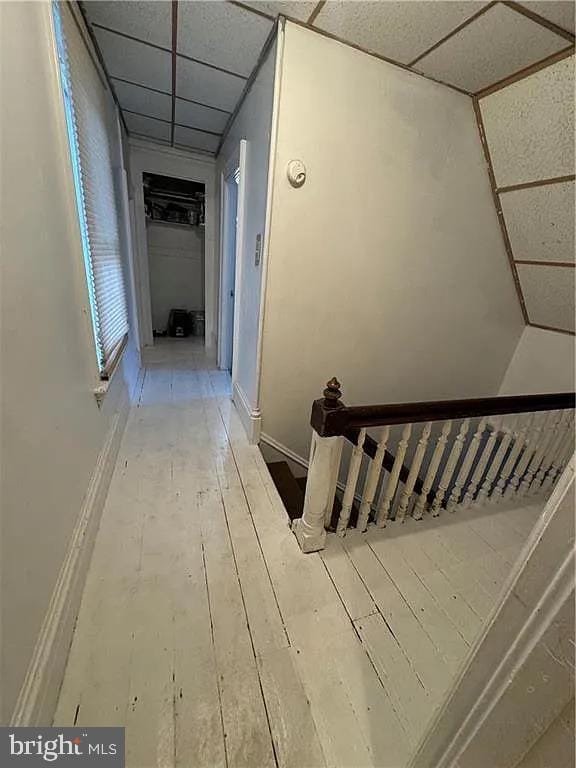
(450,467)
(558,434)
(565,433)
(545,438)
(351,481)
(483,461)
(518,444)
(432,470)
(320,489)
(524,460)
(384,510)
(414,470)
(372,481)
(564,454)
(466,466)
(497,462)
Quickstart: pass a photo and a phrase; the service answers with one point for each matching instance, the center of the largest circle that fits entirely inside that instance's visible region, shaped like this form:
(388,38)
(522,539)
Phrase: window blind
(89,120)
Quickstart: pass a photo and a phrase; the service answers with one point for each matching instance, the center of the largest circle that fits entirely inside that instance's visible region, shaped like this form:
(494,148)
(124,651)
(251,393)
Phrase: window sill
(112,366)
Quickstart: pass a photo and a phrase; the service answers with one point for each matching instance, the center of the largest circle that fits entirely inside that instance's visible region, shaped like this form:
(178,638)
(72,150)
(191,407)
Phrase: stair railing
(485,450)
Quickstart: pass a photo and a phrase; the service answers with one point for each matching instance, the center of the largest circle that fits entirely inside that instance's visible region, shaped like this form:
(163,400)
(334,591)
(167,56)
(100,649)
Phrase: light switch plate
(258,252)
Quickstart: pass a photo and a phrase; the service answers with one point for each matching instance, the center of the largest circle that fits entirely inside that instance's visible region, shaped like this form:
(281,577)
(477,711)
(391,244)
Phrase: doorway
(229,232)
(175,219)
(232,185)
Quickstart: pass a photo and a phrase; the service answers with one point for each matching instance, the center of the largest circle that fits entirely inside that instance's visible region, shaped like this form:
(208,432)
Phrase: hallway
(208,634)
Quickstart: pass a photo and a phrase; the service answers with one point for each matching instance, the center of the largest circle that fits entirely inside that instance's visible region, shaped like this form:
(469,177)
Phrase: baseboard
(295,462)
(250,417)
(38,696)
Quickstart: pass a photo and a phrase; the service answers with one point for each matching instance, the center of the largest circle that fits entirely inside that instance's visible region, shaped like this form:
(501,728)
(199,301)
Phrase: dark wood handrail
(330,417)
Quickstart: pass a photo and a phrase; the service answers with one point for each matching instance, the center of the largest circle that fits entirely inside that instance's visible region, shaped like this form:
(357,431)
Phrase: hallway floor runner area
(207,633)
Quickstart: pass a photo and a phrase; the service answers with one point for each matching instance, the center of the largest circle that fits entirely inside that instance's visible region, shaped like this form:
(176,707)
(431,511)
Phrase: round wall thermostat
(296,173)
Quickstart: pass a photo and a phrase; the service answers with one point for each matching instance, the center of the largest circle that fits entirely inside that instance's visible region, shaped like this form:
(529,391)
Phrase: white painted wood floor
(206,632)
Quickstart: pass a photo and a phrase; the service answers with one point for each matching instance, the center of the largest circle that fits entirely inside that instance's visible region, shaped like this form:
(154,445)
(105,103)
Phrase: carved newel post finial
(332,394)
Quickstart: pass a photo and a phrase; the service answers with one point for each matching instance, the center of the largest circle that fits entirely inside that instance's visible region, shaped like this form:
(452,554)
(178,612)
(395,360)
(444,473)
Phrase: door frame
(146,157)
(236,160)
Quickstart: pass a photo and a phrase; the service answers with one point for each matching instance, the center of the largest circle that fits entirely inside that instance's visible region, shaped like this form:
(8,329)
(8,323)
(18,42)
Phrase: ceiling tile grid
(494,46)
(300,9)
(396,30)
(138,99)
(197,116)
(148,20)
(469,44)
(529,126)
(135,61)
(148,126)
(222,34)
(558,12)
(549,295)
(540,222)
(207,85)
(195,139)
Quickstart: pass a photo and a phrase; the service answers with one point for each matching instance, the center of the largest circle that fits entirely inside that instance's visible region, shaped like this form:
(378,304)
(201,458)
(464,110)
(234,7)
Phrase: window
(89,120)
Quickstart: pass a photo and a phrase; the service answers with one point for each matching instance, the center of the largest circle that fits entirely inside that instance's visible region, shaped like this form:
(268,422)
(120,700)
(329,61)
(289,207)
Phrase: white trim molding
(519,675)
(250,417)
(38,696)
(287,452)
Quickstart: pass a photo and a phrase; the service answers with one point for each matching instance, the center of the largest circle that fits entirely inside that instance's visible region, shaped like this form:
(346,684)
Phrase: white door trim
(241,217)
(225,176)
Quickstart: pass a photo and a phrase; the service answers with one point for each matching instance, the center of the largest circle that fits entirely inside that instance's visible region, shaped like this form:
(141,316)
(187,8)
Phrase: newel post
(325,453)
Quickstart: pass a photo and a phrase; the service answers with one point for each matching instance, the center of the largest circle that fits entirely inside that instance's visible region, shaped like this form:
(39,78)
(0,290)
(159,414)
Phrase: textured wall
(387,268)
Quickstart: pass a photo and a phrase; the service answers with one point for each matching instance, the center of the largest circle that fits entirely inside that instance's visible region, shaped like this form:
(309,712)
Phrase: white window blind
(89,120)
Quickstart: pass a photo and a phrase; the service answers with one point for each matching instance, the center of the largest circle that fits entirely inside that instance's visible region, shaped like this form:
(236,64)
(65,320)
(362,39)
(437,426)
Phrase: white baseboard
(295,462)
(250,417)
(38,696)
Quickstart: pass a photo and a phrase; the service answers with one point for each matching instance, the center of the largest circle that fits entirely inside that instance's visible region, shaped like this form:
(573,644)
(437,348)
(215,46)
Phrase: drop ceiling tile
(297,10)
(530,126)
(209,86)
(497,44)
(222,34)
(549,295)
(540,222)
(135,61)
(398,30)
(560,12)
(147,126)
(197,116)
(138,99)
(195,139)
(150,21)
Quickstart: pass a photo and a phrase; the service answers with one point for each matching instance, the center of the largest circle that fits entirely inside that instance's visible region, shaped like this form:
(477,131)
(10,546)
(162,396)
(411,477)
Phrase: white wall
(252,123)
(387,268)
(542,362)
(52,430)
(176,266)
(147,157)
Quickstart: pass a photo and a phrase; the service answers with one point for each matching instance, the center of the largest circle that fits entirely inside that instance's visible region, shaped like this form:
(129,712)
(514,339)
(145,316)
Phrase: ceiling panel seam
(498,207)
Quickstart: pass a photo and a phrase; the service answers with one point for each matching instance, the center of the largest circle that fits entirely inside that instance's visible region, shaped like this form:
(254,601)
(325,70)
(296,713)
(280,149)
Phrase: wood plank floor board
(208,634)
(409,698)
(436,623)
(427,663)
(247,733)
(351,589)
(293,727)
